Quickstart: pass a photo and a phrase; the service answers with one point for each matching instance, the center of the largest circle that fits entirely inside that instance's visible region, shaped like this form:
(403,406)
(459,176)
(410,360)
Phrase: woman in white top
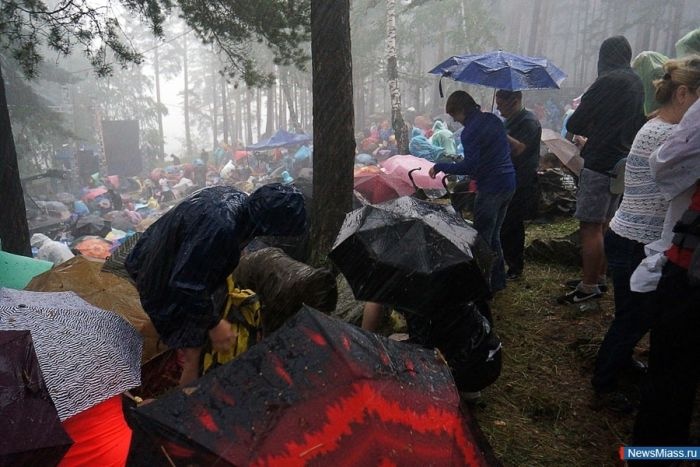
(639,221)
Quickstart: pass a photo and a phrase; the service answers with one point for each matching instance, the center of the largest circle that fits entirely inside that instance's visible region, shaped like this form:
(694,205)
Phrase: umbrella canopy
(318,392)
(502,70)
(379,187)
(16,270)
(31,433)
(91,225)
(86,354)
(102,290)
(566,151)
(399,166)
(413,254)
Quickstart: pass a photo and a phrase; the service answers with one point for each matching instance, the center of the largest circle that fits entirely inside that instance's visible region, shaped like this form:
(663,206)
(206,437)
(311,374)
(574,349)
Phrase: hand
(222,336)
(432,172)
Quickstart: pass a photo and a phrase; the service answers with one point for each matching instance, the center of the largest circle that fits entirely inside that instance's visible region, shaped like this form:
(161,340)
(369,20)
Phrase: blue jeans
(632,312)
(489,211)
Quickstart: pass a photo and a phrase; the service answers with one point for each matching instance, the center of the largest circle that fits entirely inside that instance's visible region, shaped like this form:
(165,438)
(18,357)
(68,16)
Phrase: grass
(538,412)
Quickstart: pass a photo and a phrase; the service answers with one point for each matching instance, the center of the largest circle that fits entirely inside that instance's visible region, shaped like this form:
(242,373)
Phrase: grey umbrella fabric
(86,354)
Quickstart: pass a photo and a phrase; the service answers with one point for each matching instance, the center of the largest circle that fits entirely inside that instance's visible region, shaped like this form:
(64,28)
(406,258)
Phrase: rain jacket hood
(615,53)
(277,210)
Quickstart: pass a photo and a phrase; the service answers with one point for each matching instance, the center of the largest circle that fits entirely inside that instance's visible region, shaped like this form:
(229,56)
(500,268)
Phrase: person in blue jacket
(487,161)
(181,261)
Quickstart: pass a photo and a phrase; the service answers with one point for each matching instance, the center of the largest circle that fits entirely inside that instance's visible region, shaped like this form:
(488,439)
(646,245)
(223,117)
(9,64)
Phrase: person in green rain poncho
(650,67)
(442,137)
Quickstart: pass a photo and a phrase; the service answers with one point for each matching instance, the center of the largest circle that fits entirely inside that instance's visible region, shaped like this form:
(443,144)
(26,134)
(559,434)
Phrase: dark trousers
(674,363)
(632,311)
(489,212)
(513,229)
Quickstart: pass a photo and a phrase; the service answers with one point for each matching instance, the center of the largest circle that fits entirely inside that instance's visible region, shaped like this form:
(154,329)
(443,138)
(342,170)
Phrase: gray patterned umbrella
(86,354)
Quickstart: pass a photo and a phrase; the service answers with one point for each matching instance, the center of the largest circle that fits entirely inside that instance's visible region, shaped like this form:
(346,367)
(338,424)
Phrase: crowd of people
(638,205)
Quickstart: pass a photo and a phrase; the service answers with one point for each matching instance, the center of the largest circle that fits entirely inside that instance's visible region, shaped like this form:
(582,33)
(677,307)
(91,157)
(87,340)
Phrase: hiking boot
(614,401)
(577,296)
(573,283)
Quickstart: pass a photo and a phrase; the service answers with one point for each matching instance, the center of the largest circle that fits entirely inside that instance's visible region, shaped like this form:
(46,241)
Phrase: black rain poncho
(182,259)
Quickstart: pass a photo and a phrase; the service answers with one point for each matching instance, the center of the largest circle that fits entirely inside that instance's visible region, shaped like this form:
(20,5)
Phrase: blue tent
(280,139)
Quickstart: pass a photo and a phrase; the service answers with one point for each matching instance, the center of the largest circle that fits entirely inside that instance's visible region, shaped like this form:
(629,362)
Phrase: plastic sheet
(284,285)
(50,250)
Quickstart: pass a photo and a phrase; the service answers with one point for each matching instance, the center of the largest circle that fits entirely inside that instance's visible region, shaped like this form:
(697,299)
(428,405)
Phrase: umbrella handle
(410,176)
(444,183)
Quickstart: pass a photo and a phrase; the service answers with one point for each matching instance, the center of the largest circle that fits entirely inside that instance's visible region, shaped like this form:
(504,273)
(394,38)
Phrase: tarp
(280,139)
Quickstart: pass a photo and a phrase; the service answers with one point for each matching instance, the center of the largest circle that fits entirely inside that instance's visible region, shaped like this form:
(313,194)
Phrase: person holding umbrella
(181,262)
(487,161)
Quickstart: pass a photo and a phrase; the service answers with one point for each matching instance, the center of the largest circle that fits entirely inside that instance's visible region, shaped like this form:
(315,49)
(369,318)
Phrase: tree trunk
(532,46)
(258,112)
(188,139)
(14,231)
(215,110)
(334,142)
(224,110)
(284,84)
(270,117)
(161,136)
(397,122)
(239,119)
(248,116)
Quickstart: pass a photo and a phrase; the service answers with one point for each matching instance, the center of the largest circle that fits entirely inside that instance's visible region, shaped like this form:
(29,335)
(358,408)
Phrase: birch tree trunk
(397,122)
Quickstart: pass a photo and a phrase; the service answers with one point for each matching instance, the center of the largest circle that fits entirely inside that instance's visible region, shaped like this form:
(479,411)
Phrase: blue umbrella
(501,70)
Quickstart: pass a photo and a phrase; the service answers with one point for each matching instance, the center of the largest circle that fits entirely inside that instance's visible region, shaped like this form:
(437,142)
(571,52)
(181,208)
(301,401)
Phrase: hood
(38,240)
(615,53)
(277,210)
(416,132)
(438,126)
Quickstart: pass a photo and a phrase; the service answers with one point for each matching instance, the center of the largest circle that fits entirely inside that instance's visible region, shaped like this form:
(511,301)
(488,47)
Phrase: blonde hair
(679,72)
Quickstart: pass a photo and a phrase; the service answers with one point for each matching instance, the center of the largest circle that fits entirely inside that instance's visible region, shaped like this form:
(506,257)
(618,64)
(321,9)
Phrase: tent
(280,139)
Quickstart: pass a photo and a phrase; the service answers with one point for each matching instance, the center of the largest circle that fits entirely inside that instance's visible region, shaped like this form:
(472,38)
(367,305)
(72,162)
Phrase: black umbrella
(412,254)
(30,432)
(316,392)
(91,225)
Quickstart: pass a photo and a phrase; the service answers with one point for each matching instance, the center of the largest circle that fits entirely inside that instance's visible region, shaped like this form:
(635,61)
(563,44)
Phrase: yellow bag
(242,310)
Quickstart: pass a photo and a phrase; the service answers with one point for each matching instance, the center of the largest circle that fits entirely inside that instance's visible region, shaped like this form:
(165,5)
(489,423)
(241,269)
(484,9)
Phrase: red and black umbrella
(30,432)
(318,392)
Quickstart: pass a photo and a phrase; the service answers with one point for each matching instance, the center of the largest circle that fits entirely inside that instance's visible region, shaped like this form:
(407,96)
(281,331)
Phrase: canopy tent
(280,139)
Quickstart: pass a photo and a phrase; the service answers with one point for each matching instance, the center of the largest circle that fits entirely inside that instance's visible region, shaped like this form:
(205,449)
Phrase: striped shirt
(641,214)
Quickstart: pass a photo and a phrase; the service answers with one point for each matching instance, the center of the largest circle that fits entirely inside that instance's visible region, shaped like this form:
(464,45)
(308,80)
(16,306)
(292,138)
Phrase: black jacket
(611,110)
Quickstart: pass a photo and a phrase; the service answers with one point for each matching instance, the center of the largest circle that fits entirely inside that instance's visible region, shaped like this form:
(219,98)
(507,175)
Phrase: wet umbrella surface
(318,392)
(380,187)
(86,354)
(30,433)
(412,254)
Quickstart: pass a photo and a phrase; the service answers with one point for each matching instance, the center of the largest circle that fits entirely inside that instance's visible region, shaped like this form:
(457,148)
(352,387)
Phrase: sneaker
(573,283)
(614,401)
(578,296)
(513,275)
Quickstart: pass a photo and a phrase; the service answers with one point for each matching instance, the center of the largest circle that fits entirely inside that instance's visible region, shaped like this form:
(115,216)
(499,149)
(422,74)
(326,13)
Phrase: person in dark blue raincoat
(184,257)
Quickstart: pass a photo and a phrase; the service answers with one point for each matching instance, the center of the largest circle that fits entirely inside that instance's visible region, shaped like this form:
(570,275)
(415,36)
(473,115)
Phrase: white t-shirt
(164,185)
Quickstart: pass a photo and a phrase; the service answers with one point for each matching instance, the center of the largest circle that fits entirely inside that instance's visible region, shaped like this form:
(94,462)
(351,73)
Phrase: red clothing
(681,256)
(100,436)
